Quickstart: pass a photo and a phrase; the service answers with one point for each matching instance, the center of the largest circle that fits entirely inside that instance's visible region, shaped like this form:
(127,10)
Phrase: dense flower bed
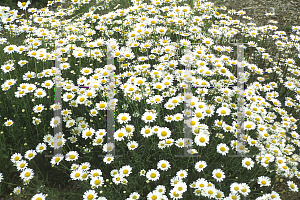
(152,47)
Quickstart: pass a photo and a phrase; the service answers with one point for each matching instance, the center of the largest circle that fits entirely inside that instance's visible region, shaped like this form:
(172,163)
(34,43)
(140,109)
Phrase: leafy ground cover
(150,43)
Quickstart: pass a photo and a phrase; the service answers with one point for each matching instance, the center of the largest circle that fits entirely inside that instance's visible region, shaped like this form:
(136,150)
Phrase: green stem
(16,184)
(39,170)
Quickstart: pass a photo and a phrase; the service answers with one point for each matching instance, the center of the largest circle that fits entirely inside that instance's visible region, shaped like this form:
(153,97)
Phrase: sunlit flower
(247,163)
(10,49)
(222,148)
(120,134)
(200,165)
(148,117)
(249,125)
(153,175)
(123,118)
(21,165)
(90,195)
(132,145)
(218,174)
(30,154)
(88,133)
(40,93)
(202,139)
(55,121)
(39,196)
(56,159)
(264,181)
(9,122)
(23,5)
(181,187)
(27,174)
(163,165)
(72,156)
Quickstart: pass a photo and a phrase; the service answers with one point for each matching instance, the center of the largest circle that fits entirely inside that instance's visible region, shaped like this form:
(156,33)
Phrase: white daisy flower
(132,145)
(55,121)
(161,144)
(36,121)
(8,123)
(244,189)
(178,117)
(163,165)
(16,157)
(70,123)
(97,181)
(27,174)
(86,71)
(293,187)
(153,175)
(201,183)
(118,178)
(123,118)
(30,154)
(174,194)
(41,147)
(58,141)
(85,166)
(74,166)
(146,131)
(210,192)
(21,165)
(154,195)
(248,125)
(108,159)
(17,190)
(125,170)
(134,195)
(47,138)
(223,111)
(102,105)
(72,156)
(108,147)
(75,174)
(248,163)
(149,117)
(120,134)
(161,189)
(202,139)
(181,187)
(192,151)
(38,108)
(218,174)
(39,196)
(182,174)
(90,195)
(40,93)
(81,99)
(88,133)
(222,148)
(98,140)
(200,165)
(264,181)
(164,133)
(235,187)
(84,175)
(169,142)
(48,84)
(95,172)
(56,159)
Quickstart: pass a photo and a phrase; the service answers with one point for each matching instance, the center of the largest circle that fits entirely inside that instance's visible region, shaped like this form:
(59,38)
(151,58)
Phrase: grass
(55,181)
